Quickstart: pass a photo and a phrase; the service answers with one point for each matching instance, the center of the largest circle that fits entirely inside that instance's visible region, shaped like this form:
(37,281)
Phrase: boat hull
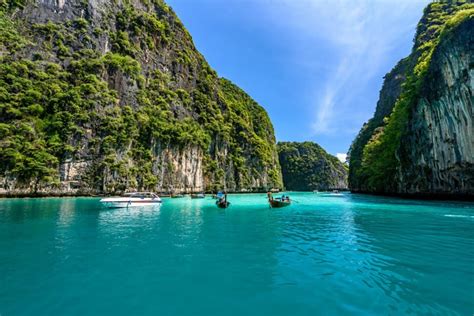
(222,204)
(198,196)
(277,204)
(123,203)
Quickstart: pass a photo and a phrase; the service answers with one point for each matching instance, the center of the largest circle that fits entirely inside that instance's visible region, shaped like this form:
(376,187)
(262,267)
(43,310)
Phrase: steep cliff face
(388,96)
(437,152)
(306,167)
(102,95)
(421,142)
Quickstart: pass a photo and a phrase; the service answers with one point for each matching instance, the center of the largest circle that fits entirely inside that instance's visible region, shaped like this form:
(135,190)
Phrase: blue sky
(316,66)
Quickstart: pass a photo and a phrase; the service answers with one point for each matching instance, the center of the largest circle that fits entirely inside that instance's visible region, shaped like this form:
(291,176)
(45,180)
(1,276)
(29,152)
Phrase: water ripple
(323,255)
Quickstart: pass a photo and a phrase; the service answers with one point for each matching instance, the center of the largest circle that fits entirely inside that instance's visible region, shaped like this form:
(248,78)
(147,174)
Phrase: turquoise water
(332,255)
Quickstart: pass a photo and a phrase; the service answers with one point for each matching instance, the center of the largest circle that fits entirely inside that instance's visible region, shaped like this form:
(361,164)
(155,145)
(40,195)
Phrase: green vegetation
(306,167)
(117,94)
(374,161)
(250,134)
(10,5)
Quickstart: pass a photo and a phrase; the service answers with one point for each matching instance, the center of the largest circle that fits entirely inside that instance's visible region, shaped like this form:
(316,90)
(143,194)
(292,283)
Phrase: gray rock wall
(437,156)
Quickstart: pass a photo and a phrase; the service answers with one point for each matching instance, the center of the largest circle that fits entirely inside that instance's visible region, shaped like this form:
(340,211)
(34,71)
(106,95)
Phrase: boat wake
(459,216)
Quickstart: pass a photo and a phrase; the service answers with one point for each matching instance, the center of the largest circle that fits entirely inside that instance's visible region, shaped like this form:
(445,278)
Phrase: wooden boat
(222,204)
(177,196)
(279,202)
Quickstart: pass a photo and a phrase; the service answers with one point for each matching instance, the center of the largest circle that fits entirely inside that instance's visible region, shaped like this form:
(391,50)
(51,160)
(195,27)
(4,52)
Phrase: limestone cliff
(420,141)
(102,96)
(306,167)
(388,96)
(437,152)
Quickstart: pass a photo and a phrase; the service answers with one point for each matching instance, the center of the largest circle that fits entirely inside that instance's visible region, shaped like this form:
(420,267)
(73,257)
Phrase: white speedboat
(132,199)
(198,196)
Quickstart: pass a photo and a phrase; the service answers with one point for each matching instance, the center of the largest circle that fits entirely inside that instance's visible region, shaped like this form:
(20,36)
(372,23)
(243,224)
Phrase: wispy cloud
(359,35)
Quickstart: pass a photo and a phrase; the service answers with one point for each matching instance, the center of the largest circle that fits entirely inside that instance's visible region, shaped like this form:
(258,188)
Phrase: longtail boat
(198,196)
(279,202)
(222,201)
(222,204)
(177,196)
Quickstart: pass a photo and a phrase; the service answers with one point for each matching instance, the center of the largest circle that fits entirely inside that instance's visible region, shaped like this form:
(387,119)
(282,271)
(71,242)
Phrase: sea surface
(324,255)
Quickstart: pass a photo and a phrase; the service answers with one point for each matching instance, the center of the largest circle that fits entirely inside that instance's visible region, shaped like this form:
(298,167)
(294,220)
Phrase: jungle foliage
(80,89)
(307,166)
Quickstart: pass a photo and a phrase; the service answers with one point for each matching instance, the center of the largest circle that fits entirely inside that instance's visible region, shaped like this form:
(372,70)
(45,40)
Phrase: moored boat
(132,199)
(198,196)
(222,204)
(177,196)
(222,201)
(278,202)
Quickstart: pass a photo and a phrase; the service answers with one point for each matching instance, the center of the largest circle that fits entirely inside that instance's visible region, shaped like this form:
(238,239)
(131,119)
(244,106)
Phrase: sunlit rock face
(434,154)
(389,94)
(437,156)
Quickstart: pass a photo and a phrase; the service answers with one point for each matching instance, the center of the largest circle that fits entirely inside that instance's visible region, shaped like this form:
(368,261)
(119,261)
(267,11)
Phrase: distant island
(307,166)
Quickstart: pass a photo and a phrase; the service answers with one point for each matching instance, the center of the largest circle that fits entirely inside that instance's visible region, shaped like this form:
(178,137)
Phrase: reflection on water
(127,214)
(66,212)
(344,254)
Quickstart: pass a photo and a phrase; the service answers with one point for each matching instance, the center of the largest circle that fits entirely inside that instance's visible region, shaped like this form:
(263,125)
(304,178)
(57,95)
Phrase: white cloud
(360,37)
(342,157)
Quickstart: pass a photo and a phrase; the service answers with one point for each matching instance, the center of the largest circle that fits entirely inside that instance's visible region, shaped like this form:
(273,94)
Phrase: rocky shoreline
(17,194)
(417,196)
